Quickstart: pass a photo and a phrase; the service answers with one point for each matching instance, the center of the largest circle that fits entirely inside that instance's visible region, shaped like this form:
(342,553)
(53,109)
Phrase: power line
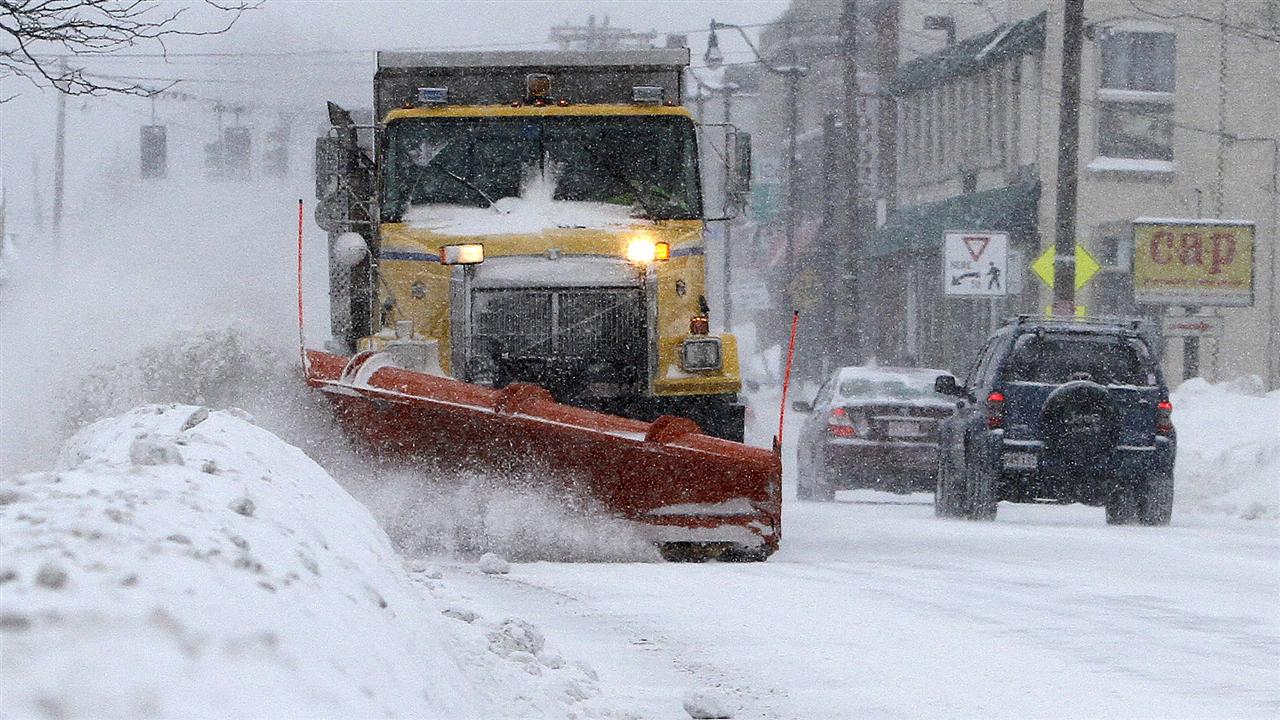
(106,76)
(365,51)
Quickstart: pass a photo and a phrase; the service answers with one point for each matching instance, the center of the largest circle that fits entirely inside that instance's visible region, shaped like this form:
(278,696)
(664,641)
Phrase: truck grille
(586,327)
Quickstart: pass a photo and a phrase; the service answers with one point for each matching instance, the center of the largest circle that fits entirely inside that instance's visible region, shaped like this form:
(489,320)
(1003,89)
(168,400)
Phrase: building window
(1113,287)
(1135,117)
(951,123)
(917,133)
(988,115)
(930,127)
(1137,61)
(1135,130)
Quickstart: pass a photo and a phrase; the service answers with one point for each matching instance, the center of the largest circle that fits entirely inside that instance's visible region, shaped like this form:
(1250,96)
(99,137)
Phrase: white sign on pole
(976,264)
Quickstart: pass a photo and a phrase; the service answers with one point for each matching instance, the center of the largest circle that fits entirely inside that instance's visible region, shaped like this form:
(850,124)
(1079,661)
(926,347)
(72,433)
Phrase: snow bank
(186,562)
(1228,449)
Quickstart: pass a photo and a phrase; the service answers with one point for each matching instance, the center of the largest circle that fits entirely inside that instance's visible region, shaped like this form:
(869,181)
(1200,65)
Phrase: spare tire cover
(1079,419)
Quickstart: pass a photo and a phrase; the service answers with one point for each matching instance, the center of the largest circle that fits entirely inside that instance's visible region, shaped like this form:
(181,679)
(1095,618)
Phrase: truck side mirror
(946,385)
(740,186)
(332,163)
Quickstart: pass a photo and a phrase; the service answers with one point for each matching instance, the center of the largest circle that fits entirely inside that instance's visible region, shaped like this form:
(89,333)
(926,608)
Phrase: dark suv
(1059,411)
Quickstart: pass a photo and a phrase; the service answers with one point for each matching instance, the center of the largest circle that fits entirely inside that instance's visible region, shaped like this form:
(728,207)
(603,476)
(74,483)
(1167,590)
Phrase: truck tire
(726,420)
(1080,421)
(719,416)
(746,553)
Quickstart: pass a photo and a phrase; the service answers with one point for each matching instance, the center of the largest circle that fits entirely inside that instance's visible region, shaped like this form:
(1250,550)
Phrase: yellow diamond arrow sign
(1086,266)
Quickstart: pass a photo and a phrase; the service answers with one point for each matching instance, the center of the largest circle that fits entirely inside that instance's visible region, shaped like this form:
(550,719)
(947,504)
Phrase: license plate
(901,429)
(1020,460)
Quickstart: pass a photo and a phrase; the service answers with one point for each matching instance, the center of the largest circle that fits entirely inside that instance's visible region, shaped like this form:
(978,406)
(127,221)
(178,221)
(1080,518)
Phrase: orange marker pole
(302,343)
(786,377)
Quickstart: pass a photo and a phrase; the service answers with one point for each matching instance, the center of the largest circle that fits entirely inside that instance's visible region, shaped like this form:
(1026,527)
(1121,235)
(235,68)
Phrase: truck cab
(535,217)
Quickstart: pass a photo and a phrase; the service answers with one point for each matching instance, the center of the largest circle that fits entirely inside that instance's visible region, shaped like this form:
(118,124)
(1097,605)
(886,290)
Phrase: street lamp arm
(783,70)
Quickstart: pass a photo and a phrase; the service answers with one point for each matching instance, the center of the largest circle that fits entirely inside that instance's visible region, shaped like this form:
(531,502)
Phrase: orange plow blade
(699,496)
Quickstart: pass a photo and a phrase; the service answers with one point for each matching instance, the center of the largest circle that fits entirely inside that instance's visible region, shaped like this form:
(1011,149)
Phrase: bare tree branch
(38,36)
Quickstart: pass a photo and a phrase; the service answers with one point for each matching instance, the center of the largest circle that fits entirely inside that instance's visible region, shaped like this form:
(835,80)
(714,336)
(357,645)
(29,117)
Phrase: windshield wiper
(465,182)
(617,173)
(434,153)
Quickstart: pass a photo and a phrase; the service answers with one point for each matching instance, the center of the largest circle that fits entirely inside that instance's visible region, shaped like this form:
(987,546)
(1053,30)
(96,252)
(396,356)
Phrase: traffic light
(153,156)
(213,160)
(276,157)
(235,152)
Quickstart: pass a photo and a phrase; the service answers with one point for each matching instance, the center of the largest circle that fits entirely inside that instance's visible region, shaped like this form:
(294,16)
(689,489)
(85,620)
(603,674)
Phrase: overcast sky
(102,132)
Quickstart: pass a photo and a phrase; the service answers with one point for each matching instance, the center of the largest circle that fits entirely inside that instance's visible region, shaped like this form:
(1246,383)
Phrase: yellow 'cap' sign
(1193,262)
(1086,266)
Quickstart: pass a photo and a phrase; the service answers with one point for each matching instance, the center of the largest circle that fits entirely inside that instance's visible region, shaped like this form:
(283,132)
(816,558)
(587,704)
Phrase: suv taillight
(839,424)
(995,409)
(1164,417)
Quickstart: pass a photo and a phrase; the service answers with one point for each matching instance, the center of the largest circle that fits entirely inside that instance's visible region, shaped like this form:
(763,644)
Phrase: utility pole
(1064,261)
(793,165)
(59,158)
(853,191)
(37,199)
(793,72)
(726,90)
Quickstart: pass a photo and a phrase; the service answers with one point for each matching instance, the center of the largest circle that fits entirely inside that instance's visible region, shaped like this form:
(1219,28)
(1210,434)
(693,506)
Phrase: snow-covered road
(870,609)
(877,609)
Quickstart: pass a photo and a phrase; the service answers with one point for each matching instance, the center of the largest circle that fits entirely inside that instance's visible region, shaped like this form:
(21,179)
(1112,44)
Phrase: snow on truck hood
(518,215)
(182,562)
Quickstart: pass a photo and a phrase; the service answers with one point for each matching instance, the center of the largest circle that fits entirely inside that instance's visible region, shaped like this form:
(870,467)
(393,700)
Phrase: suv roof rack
(1128,323)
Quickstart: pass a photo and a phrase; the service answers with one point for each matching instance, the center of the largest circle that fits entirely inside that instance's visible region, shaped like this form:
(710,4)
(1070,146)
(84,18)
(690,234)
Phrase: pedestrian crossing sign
(975,264)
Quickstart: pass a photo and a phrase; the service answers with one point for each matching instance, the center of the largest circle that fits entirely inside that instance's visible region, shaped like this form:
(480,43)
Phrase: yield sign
(975,264)
(976,245)
(1086,266)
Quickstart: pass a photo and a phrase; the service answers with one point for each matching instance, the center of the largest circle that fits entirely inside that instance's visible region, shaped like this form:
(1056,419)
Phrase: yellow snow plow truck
(533,217)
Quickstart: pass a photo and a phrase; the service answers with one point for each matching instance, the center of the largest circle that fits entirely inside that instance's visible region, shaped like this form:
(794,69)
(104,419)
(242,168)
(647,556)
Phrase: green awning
(971,55)
(1010,209)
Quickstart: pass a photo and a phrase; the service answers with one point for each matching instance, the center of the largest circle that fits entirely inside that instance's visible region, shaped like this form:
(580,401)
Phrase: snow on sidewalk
(181,562)
(1228,449)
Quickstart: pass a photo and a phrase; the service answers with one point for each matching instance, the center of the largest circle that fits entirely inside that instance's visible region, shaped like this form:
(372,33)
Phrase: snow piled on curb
(182,562)
(1228,449)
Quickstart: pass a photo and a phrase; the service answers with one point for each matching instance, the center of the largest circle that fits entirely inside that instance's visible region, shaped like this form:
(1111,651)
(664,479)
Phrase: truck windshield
(647,163)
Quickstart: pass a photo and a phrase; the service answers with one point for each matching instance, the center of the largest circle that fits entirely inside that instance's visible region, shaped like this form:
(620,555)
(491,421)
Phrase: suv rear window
(1057,359)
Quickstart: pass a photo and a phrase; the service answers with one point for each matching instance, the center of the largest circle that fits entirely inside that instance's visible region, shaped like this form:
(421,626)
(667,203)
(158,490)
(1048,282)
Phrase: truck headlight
(700,354)
(469,254)
(642,251)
